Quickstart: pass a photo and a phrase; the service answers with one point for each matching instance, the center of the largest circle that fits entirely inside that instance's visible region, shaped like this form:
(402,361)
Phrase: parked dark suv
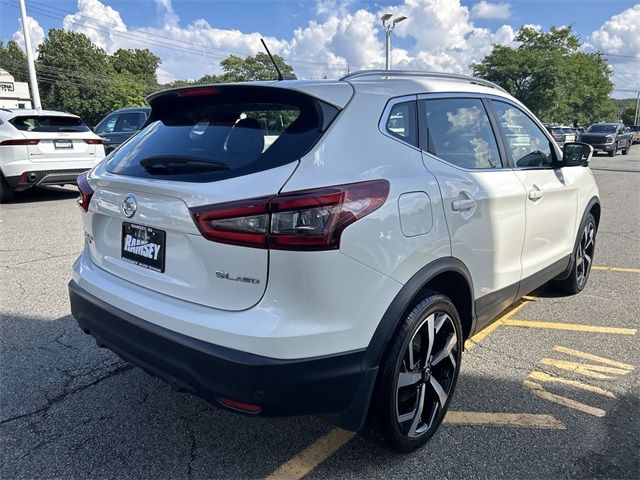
(608,137)
(119,125)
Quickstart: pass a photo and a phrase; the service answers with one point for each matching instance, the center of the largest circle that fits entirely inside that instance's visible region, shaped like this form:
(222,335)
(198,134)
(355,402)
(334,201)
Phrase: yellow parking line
(570,326)
(595,358)
(304,462)
(312,456)
(518,420)
(588,370)
(615,269)
(545,377)
(539,391)
(485,332)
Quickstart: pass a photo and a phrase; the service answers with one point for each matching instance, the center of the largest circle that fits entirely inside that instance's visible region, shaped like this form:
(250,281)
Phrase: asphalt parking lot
(551,390)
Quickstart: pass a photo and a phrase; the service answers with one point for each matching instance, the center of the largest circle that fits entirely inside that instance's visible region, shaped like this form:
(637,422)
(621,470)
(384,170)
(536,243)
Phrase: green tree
(14,61)
(257,67)
(629,115)
(141,64)
(551,76)
(74,75)
(79,77)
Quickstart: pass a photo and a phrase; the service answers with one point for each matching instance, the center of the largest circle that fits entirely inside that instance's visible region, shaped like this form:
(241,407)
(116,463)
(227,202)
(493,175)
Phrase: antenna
(280,77)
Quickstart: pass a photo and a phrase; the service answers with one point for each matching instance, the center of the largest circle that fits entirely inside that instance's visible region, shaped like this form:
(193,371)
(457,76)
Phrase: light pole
(35,93)
(388,28)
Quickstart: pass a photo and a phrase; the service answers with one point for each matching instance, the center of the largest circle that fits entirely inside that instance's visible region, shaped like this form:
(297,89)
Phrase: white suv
(303,247)
(44,147)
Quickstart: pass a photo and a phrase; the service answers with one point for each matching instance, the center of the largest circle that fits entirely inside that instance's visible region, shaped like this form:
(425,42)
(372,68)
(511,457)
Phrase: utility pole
(35,93)
(636,120)
(388,28)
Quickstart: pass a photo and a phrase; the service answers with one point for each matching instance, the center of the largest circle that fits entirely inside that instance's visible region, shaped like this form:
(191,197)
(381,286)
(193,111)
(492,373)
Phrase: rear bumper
(335,385)
(36,178)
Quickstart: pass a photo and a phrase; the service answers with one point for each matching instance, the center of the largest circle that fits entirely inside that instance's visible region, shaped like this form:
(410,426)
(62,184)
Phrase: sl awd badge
(226,276)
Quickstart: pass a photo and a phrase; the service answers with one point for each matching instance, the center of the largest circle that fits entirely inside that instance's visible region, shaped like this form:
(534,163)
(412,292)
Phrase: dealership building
(13,94)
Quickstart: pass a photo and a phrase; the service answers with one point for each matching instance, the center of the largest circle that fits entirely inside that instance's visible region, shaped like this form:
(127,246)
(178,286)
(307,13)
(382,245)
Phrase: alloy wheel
(426,374)
(584,254)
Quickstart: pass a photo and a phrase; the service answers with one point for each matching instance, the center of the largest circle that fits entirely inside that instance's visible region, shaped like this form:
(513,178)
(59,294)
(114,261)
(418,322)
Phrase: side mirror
(576,154)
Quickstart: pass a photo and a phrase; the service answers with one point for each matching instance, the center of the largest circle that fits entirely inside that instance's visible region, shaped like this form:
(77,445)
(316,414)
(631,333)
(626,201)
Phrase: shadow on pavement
(72,410)
(44,194)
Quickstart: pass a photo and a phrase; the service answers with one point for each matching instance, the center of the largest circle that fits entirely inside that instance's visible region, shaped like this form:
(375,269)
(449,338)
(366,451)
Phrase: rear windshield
(602,128)
(557,131)
(567,130)
(227,131)
(48,123)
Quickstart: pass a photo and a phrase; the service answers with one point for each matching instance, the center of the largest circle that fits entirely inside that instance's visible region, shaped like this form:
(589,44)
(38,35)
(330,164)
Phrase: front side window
(107,125)
(458,131)
(401,122)
(529,146)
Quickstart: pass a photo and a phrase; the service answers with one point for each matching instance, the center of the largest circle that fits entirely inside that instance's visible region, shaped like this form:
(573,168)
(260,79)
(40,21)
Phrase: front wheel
(612,153)
(627,148)
(583,256)
(417,377)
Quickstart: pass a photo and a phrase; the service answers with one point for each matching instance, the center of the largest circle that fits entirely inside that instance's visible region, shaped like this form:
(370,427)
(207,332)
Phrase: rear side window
(458,131)
(401,122)
(48,123)
(225,132)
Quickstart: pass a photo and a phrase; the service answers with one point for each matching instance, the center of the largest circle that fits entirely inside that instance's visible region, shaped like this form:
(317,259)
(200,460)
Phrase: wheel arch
(448,276)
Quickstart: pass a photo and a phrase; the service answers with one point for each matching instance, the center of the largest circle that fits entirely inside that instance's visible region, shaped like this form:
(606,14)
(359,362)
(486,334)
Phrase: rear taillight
(306,220)
(93,141)
(22,141)
(86,192)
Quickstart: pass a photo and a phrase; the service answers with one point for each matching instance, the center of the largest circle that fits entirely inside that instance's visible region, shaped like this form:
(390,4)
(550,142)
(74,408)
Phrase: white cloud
(36,35)
(99,22)
(620,35)
(441,35)
(487,10)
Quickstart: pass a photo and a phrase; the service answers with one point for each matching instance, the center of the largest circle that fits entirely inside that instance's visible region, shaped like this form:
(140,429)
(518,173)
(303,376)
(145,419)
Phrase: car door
(552,194)
(484,201)
(128,123)
(105,129)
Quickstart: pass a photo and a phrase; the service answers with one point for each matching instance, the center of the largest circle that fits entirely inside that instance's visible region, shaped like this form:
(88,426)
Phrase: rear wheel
(583,255)
(417,377)
(6,192)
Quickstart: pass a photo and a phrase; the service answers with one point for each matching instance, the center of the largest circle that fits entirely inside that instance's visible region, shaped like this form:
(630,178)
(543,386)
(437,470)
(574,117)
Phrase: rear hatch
(56,137)
(201,146)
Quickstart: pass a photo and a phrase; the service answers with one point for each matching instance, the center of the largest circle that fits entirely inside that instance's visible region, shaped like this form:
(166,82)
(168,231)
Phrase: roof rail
(415,73)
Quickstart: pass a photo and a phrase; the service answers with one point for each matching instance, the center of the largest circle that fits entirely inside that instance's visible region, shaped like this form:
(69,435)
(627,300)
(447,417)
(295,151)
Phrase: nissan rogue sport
(326,247)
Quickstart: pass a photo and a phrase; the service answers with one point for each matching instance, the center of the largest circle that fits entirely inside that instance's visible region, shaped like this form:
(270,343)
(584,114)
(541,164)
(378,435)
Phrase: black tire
(429,382)
(6,192)
(627,148)
(583,259)
(613,152)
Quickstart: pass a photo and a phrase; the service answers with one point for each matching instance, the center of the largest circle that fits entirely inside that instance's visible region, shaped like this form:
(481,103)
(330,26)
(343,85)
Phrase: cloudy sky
(327,37)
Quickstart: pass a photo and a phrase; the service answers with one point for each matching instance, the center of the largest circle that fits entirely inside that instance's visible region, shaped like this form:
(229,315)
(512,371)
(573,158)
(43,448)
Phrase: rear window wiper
(180,164)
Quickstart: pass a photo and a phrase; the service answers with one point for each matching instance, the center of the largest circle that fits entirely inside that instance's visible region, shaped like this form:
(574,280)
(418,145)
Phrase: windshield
(602,128)
(567,130)
(48,123)
(232,132)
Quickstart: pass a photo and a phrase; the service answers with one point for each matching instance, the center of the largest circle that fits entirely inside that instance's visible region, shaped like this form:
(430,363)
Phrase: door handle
(462,204)
(535,193)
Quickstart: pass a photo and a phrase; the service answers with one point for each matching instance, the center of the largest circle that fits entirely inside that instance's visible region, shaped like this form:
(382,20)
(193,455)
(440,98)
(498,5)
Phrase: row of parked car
(603,137)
